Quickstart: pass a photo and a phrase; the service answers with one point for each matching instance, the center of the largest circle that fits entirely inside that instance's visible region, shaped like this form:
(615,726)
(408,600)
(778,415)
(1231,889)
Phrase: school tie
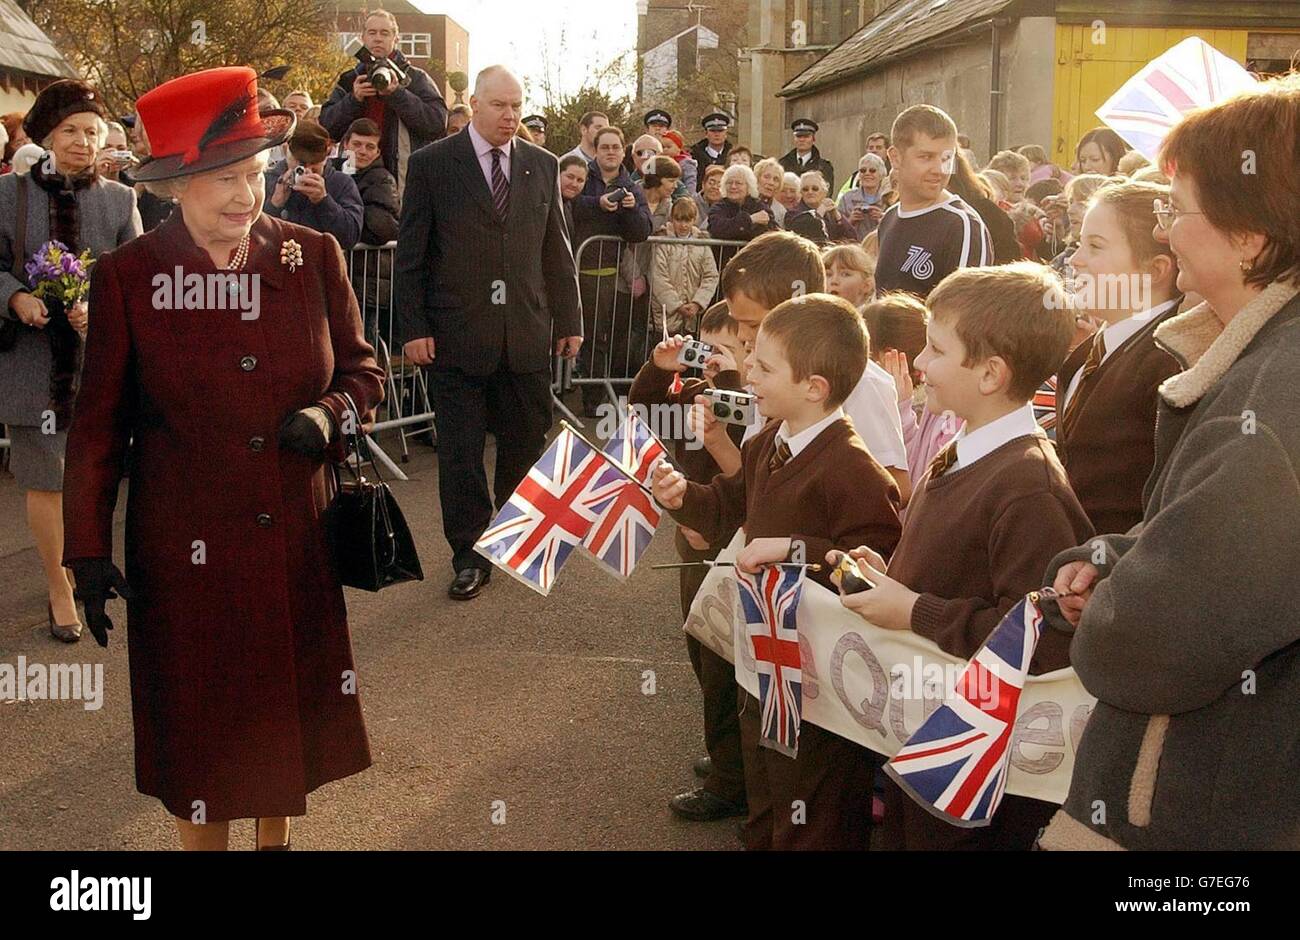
(943,461)
(500,185)
(1090,365)
(779,456)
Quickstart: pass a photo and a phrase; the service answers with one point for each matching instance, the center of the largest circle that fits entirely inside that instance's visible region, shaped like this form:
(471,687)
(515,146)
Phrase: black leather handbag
(373,548)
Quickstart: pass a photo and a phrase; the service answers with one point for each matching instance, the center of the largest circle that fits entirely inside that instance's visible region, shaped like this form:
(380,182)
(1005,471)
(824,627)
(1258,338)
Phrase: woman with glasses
(1187,626)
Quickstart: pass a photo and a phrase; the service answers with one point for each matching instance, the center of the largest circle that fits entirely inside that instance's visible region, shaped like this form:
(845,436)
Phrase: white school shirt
(983,441)
(872,406)
(797,442)
(1113,336)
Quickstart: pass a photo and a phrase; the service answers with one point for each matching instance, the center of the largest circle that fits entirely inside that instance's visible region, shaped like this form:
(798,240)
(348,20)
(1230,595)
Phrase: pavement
(512,700)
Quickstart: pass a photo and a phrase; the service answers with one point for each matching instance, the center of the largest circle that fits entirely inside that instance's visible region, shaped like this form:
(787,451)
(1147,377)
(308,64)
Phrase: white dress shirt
(797,442)
(872,406)
(983,441)
(483,150)
(1112,337)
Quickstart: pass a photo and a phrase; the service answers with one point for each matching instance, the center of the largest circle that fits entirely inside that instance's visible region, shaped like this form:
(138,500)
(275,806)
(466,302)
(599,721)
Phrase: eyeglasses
(1166,215)
(647,154)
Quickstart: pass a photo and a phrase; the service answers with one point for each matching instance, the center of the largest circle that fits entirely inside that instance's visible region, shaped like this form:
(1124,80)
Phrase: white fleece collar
(1210,348)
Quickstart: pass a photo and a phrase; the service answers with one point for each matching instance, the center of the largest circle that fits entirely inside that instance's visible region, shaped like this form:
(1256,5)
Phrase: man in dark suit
(487,292)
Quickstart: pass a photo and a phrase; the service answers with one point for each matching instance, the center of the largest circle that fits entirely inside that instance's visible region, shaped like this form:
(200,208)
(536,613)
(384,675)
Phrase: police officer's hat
(717,121)
(658,116)
(535,122)
(804,126)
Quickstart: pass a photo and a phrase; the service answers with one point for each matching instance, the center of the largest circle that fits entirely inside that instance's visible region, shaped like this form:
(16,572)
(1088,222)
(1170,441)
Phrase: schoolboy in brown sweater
(994,507)
(806,478)
(722,793)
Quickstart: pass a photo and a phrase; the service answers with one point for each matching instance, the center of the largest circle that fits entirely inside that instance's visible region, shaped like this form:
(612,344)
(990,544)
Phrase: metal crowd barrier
(406,407)
(620,329)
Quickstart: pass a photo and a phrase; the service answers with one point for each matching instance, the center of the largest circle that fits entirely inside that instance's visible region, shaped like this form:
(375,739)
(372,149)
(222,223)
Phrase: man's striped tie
(500,185)
(780,456)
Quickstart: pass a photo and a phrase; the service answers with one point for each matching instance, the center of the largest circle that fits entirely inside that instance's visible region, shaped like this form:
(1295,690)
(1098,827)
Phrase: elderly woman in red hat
(62,199)
(226,346)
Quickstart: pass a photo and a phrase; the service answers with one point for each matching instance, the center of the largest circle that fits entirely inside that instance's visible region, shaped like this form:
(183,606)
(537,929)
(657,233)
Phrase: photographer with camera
(401,99)
(115,156)
(305,189)
(610,204)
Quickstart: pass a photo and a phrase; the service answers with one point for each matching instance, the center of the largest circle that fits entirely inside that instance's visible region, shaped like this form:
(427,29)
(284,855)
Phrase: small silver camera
(694,354)
(732,407)
(298,173)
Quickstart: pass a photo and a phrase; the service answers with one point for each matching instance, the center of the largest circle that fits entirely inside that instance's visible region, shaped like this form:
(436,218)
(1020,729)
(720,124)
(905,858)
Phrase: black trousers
(516,408)
(717,679)
(831,780)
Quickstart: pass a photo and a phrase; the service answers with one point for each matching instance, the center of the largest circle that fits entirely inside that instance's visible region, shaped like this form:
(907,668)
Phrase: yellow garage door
(1092,64)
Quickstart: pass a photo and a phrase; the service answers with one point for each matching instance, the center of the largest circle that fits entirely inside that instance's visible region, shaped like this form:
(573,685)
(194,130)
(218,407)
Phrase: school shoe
(699,805)
(703,767)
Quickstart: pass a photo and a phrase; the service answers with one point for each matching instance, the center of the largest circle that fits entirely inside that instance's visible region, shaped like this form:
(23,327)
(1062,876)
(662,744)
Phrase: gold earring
(1247,266)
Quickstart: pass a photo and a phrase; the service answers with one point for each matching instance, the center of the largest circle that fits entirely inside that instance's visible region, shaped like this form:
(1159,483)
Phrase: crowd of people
(975,382)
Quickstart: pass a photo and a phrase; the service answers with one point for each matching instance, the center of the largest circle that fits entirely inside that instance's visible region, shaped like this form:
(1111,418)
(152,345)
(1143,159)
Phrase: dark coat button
(248,363)
(256,444)
(264,520)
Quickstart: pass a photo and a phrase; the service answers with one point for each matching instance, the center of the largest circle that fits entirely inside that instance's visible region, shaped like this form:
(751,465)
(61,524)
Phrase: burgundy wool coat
(239,664)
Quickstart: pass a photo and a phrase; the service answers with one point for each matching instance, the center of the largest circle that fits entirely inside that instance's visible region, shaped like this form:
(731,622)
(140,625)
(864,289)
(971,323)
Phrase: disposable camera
(298,173)
(694,354)
(732,407)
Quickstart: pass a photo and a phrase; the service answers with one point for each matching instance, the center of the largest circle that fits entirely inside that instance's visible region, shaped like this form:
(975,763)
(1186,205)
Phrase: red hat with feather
(206,120)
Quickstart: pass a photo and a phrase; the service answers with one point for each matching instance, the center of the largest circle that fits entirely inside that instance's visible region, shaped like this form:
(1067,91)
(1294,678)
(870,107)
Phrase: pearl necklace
(240,257)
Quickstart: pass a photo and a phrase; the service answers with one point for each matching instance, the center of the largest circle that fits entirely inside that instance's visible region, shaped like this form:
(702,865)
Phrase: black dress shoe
(469,583)
(699,805)
(703,767)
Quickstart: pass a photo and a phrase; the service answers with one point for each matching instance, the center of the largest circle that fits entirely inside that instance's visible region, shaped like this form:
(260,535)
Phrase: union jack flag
(769,602)
(955,765)
(626,515)
(1192,74)
(549,513)
(1044,404)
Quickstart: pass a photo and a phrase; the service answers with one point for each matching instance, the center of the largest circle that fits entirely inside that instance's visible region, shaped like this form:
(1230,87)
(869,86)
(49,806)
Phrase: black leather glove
(97,579)
(307,432)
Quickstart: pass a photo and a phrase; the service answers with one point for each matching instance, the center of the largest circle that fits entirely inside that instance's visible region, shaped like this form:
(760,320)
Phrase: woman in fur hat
(62,199)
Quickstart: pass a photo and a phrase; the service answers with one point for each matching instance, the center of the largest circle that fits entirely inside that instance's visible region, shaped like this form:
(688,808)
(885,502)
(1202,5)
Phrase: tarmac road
(512,697)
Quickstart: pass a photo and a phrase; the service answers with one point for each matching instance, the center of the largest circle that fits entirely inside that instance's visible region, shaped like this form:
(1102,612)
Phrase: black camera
(616,196)
(732,407)
(382,72)
(694,354)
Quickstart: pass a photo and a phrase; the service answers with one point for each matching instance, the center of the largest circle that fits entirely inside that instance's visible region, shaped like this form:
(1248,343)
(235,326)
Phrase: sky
(578,36)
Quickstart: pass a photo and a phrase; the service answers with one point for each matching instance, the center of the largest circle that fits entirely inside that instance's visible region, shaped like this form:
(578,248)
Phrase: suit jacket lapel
(520,176)
(472,173)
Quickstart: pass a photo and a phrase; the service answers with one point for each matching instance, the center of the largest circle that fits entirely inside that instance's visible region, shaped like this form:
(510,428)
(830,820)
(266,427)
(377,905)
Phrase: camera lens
(738,415)
(721,410)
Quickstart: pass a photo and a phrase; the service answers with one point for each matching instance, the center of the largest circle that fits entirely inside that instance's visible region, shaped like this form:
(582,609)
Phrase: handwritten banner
(875,687)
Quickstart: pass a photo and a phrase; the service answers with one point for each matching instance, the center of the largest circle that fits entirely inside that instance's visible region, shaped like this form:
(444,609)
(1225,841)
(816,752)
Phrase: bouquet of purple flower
(55,272)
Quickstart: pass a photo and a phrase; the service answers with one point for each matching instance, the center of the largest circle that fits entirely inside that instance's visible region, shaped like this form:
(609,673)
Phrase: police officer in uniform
(656,122)
(805,156)
(536,125)
(715,148)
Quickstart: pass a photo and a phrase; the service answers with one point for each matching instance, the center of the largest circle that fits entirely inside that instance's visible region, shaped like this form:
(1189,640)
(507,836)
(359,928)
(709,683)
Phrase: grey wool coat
(1191,639)
(107,217)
